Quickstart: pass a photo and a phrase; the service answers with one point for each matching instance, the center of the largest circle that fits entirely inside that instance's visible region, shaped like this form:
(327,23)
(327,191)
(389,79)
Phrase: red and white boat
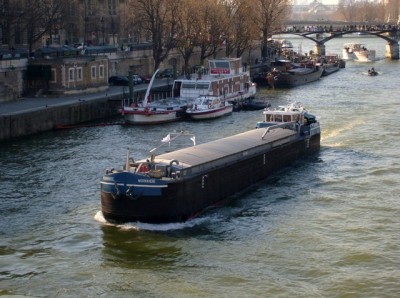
(209,107)
(164,111)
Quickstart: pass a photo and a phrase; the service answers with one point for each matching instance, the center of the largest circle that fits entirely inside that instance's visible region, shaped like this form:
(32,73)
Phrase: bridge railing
(338,28)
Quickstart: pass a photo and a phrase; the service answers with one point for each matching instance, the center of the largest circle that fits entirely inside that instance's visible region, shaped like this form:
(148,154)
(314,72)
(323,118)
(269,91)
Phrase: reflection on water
(128,248)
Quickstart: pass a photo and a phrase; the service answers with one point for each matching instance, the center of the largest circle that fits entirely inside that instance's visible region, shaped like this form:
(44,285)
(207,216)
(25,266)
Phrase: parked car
(124,80)
(118,81)
(145,79)
(166,73)
(137,79)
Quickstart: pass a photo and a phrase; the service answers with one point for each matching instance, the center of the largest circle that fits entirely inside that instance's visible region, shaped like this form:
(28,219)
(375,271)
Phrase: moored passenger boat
(178,185)
(225,78)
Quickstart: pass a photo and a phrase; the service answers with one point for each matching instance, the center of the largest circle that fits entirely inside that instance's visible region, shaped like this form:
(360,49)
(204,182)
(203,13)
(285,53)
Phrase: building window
(111,7)
(5,36)
(53,78)
(93,72)
(17,34)
(79,74)
(101,71)
(71,74)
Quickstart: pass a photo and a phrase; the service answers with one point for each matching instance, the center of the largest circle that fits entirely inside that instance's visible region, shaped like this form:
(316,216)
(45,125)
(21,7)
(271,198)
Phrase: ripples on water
(326,227)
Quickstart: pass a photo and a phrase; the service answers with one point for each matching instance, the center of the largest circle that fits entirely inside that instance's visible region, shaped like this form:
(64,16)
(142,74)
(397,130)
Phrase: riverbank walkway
(29,104)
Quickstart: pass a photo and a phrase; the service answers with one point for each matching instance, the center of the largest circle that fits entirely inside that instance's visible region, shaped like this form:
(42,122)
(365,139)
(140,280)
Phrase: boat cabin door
(176,91)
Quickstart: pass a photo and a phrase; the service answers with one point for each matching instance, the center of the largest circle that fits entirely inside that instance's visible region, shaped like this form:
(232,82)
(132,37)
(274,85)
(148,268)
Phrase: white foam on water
(152,227)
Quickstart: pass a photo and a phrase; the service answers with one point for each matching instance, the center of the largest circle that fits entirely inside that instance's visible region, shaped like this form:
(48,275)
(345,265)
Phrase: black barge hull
(187,197)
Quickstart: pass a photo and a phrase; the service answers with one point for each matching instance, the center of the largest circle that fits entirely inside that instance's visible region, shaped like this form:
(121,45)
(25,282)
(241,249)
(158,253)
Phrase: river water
(326,227)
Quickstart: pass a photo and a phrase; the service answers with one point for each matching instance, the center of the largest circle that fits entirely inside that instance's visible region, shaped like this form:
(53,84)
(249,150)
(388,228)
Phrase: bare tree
(40,18)
(211,28)
(268,16)
(187,33)
(243,28)
(158,17)
(9,17)
(348,10)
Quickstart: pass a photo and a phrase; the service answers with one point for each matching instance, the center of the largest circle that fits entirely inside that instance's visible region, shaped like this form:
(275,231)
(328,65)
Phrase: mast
(146,97)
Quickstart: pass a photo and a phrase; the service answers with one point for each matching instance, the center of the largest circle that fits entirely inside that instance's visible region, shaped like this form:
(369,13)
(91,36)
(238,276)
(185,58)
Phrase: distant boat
(286,73)
(254,104)
(331,64)
(358,52)
(372,72)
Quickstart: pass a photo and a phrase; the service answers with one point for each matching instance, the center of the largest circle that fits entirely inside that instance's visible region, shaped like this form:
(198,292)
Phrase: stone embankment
(34,115)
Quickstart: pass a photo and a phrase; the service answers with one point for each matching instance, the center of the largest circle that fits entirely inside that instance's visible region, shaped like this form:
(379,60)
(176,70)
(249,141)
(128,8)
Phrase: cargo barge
(178,185)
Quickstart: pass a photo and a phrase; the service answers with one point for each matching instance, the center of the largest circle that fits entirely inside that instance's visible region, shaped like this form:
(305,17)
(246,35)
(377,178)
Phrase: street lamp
(113,30)
(102,27)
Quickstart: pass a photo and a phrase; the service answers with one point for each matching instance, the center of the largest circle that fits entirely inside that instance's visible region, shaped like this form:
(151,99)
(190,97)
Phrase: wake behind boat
(147,112)
(176,186)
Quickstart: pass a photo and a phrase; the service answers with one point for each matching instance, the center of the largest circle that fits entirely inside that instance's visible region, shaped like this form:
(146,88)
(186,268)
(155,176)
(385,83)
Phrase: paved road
(37,103)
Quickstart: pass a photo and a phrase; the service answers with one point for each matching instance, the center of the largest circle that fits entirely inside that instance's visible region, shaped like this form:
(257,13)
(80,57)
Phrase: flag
(193,140)
(166,139)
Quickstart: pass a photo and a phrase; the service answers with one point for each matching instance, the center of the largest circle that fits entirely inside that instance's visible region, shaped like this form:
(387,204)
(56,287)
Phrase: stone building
(12,71)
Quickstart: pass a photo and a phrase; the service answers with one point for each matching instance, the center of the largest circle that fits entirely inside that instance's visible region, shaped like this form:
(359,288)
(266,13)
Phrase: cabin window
(286,118)
(278,118)
(189,85)
(220,64)
(202,85)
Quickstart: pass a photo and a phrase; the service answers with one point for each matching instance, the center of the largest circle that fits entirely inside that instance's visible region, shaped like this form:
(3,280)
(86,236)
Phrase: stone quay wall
(17,125)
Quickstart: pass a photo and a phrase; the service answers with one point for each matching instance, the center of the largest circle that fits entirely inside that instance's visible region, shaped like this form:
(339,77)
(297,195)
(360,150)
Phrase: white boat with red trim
(164,111)
(209,107)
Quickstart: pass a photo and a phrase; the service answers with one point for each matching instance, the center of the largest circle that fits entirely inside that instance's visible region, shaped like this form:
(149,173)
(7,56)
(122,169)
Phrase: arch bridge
(392,46)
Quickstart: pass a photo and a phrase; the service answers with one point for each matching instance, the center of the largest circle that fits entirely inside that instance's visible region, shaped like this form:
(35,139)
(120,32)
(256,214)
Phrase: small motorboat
(372,72)
(254,104)
(209,107)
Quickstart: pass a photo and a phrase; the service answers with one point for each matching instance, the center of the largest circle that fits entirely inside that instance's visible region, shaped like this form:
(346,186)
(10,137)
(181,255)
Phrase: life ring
(143,168)
(209,106)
